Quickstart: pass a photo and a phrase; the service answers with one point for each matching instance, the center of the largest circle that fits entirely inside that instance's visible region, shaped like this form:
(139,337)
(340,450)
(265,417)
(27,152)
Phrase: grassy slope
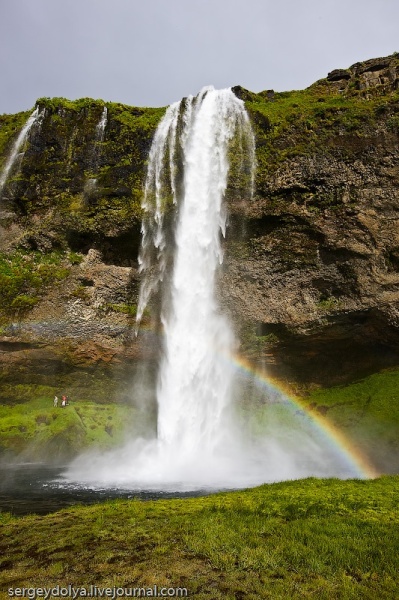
(305,539)
(368,413)
(37,427)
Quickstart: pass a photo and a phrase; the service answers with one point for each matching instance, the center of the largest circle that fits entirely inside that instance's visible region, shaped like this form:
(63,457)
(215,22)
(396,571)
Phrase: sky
(153,52)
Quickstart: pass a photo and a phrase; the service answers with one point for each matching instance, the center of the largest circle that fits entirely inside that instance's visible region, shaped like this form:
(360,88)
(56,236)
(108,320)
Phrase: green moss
(10,126)
(80,292)
(304,123)
(255,345)
(127,309)
(70,155)
(327,305)
(24,277)
(36,424)
(75,258)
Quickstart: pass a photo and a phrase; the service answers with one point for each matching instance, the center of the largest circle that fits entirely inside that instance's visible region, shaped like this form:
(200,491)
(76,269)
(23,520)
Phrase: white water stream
(91,183)
(35,117)
(194,386)
(101,125)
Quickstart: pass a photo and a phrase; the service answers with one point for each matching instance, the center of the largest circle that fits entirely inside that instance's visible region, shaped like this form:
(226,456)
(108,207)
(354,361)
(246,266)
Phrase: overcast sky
(153,52)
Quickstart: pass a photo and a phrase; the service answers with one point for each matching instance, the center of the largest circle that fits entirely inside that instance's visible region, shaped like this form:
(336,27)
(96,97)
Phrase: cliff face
(316,268)
(311,267)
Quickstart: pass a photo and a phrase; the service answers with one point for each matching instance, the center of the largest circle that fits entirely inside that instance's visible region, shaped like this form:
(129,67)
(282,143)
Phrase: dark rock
(242,93)
(374,64)
(338,75)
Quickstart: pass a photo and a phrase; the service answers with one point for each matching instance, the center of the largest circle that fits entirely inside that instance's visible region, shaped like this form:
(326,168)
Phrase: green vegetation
(54,183)
(253,344)
(75,258)
(368,413)
(300,539)
(127,309)
(328,304)
(38,426)
(305,123)
(24,277)
(10,126)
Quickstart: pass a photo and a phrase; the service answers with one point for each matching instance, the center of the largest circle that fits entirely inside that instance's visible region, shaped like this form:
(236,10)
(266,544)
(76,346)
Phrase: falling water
(194,386)
(35,117)
(101,125)
(91,183)
(198,444)
(152,258)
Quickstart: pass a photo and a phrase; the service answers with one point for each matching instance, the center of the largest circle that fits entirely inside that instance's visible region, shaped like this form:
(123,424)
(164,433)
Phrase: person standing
(55,401)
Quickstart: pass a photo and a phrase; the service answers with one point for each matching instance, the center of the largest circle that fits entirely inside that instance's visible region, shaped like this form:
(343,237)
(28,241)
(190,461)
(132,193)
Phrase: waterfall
(152,259)
(188,168)
(35,117)
(194,386)
(201,145)
(101,125)
(91,183)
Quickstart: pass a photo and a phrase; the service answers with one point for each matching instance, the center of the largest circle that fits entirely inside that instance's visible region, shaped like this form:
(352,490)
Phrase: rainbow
(333,436)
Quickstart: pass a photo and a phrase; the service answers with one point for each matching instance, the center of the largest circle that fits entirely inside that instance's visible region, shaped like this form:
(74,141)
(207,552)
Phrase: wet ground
(37,488)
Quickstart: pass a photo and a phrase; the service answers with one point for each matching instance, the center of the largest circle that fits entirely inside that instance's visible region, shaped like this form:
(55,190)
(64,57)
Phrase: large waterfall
(201,145)
(194,386)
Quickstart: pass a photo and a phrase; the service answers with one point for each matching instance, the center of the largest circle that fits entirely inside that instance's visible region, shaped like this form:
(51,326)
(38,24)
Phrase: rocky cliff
(311,268)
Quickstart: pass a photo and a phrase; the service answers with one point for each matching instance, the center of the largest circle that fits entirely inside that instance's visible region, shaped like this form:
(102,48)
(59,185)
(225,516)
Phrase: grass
(315,121)
(367,412)
(37,426)
(25,276)
(324,539)
(313,538)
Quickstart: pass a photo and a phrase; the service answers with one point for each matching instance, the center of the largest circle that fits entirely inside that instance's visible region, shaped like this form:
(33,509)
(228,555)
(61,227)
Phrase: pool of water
(37,488)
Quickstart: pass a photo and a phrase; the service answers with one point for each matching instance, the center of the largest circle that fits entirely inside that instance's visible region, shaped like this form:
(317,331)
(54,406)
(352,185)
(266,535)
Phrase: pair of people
(64,401)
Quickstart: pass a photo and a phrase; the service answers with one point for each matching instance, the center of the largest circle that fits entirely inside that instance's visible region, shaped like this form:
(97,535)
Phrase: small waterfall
(35,117)
(91,183)
(101,125)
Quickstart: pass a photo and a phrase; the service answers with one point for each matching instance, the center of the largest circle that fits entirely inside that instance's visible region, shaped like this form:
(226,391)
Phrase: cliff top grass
(306,122)
(313,538)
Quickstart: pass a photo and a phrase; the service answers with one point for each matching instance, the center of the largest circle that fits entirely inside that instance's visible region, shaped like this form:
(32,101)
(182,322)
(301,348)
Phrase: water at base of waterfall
(38,488)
